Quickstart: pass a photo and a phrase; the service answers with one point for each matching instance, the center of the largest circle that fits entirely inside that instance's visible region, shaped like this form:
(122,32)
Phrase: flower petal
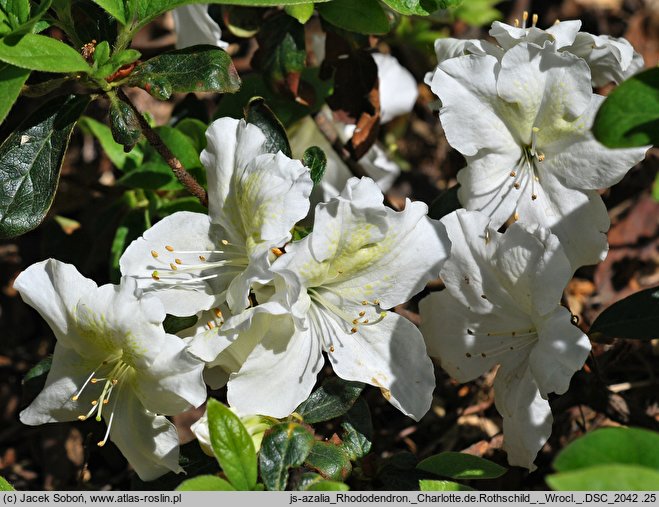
(194,26)
(398,89)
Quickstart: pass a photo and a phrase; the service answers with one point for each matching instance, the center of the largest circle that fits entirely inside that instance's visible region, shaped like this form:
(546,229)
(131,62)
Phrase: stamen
(516,185)
(218,313)
(210,324)
(202,258)
(155,276)
(154,254)
(513,174)
(173,266)
(535,19)
(169,248)
(277,251)
(525,17)
(178,261)
(516,216)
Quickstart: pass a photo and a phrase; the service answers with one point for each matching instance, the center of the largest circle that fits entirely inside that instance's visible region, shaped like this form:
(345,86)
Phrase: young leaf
(232,445)
(606,478)
(630,114)
(259,114)
(124,125)
(205,483)
(12,79)
(458,465)
(365,16)
(195,69)
(301,12)
(429,485)
(285,445)
(635,317)
(30,162)
(38,52)
(115,8)
(333,399)
(315,159)
(329,460)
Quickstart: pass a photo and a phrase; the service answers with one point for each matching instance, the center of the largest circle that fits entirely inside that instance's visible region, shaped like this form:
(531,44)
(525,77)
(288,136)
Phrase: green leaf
(12,79)
(398,472)
(429,485)
(608,446)
(124,124)
(4,485)
(232,446)
(205,483)
(181,204)
(195,130)
(329,460)
(41,368)
(259,114)
(174,324)
(301,12)
(655,188)
(315,159)
(30,162)
(477,12)
(327,486)
(101,53)
(364,16)
(445,203)
(635,317)
(415,7)
(458,465)
(606,478)
(285,445)
(115,8)
(201,68)
(354,443)
(115,152)
(630,114)
(38,52)
(333,399)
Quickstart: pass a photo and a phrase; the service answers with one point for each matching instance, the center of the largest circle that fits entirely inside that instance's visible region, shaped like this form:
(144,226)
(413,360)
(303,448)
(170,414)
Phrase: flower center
(525,18)
(111,372)
(500,343)
(527,167)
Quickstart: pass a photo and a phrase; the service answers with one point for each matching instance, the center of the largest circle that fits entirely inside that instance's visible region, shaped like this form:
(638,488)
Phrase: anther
(525,17)
(353,330)
(513,174)
(155,276)
(218,313)
(470,332)
(483,296)
(355,321)
(468,354)
(331,349)
(535,19)
(169,248)
(362,313)
(202,258)
(534,197)
(277,251)
(516,216)
(541,157)
(364,302)
(516,23)
(365,321)
(82,417)
(210,324)
(173,266)
(154,254)
(178,261)
(225,242)
(516,185)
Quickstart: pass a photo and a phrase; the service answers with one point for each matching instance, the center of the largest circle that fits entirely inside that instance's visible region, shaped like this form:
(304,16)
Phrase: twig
(186,179)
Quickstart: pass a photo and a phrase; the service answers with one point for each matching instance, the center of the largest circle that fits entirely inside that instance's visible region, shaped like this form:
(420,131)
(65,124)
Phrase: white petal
(54,288)
(279,374)
(149,442)
(526,415)
(378,166)
(446,48)
(194,26)
(390,355)
(181,232)
(398,90)
(561,350)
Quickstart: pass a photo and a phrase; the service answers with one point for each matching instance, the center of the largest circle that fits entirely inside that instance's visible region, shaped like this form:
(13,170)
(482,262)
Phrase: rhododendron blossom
(193,25)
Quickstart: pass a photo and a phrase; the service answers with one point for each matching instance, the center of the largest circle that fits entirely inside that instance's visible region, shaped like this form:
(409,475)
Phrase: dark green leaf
(35,379)
(333,399)
(195,130)
(205,483)
(354,443)
(181,204)
(41,368)
(195,69)
(630,114)
(365,16)
(4,485)
(329,460)
(151,176)
(232,446)
(606,478)
(398,472)
(458,465)
(38,52)
(428,485)
(359,416)
(301,12)
(285,445)
(259,114)
(30,162)
(415,7)
(446,203)
(174,324)
(314,158)
(124,125)
(114,7)
(635,317)
(11,81)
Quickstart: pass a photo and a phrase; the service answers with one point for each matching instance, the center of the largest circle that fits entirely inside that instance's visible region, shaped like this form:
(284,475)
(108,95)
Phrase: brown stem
(329,131)
(186,179)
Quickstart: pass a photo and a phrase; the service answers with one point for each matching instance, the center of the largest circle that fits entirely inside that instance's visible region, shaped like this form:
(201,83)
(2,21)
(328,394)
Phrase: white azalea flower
(398,88)
(501,307)
(360,259)
(113,360)
(195,262)
(194,26)
(523,125)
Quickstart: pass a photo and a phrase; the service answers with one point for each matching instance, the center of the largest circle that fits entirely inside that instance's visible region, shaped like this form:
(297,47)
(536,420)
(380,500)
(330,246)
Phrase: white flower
(195,262)
(194,26)
(501,306)
(112,360)
(523,125)
(398,88)
(360,259)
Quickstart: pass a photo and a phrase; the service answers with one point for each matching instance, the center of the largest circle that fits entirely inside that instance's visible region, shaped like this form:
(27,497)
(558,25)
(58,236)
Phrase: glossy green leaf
(635,317)
(315,159)
(232,445)
(116,8)
(429,485)
(195,130)
(458,465)
(333,399)
(259,114)
(301,12)
(606,478)
(181,204)
(364,16)
(124,124)
(445,203)
(609,446)
(11,81)
(30,162)
(416,7)
(354,443)
(41,368)
(205,483)
(285,445)
(327,486)
(38,52)
(174,324)
(4,485)
(151,176)
(630,114)
(115,152)
(329,460)
(201,68)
